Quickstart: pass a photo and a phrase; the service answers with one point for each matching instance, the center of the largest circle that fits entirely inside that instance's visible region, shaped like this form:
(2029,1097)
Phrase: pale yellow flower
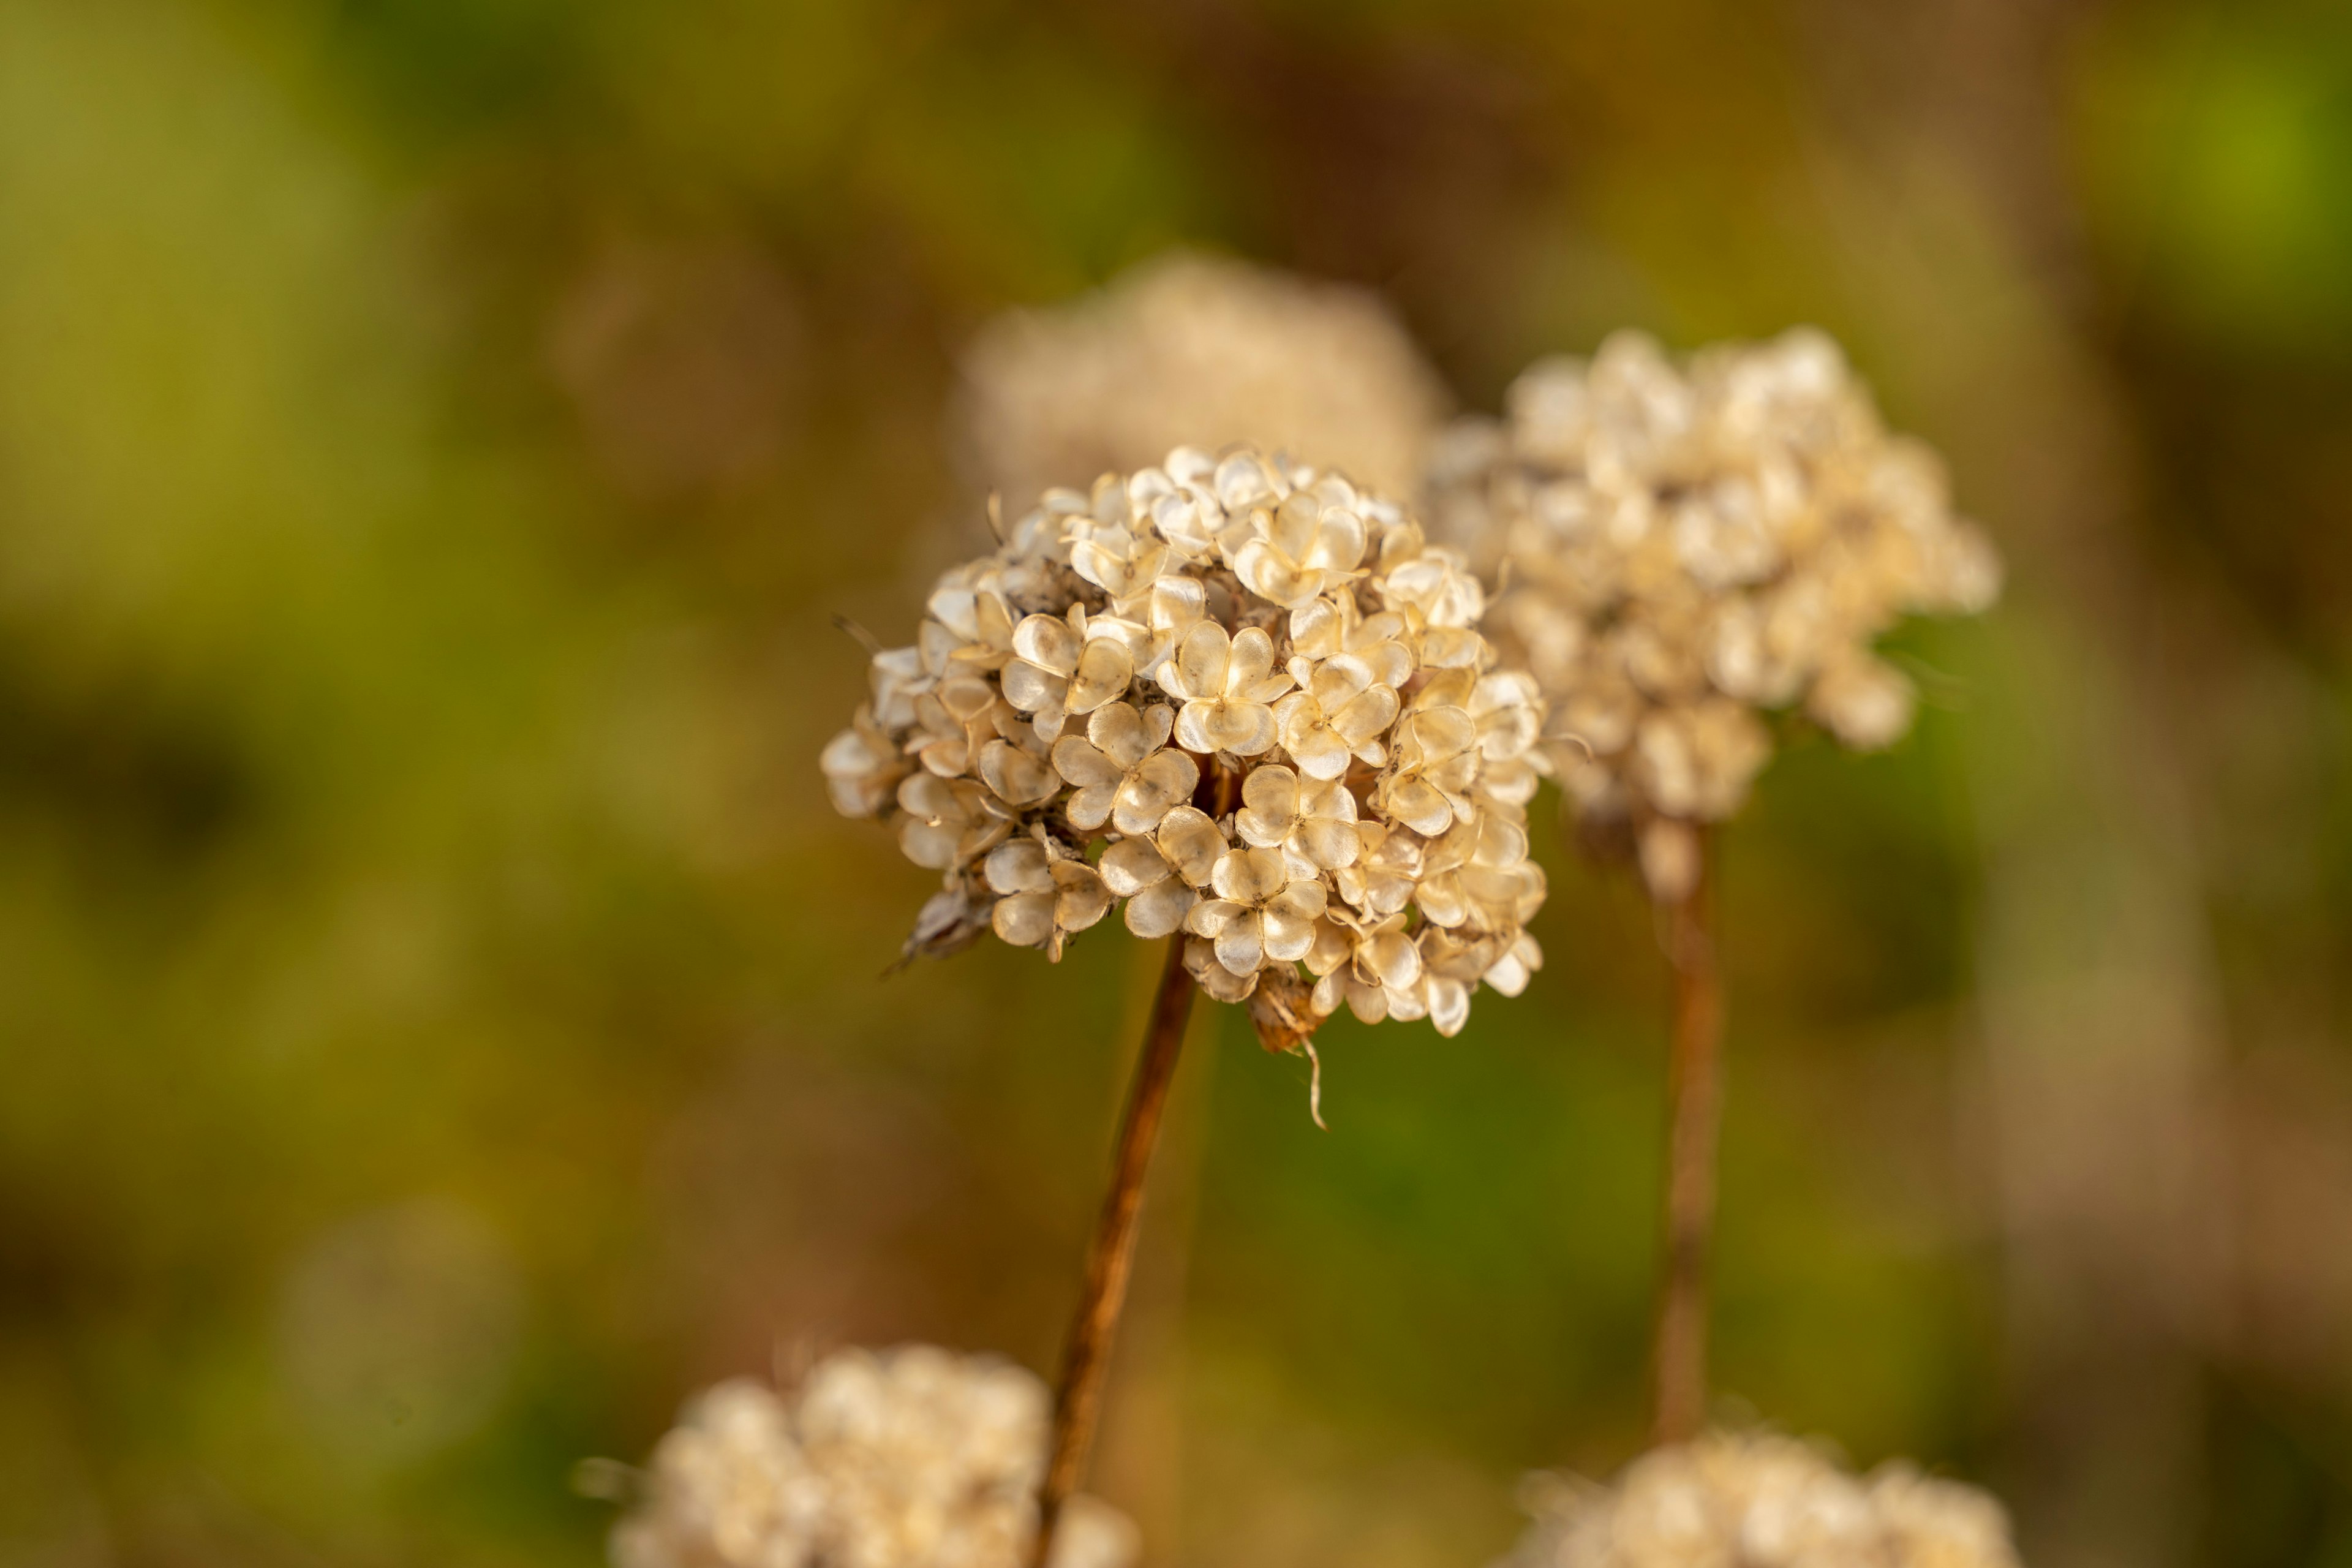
(946,823)
(1341,716)
(862,768)
(1225,684)
(1314,819)
(1298,548)
(1044,894)
(1122,773)
(1265,907)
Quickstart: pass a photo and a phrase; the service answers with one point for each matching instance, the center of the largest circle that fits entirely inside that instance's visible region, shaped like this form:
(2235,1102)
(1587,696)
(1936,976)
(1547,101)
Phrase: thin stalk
(1694,1112)
(1077,1403)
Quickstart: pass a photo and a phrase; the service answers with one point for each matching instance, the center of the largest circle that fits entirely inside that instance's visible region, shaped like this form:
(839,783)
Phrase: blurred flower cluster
(1760,1500)
(914,1457)
(1246,699)
(1679,546)
(1200,349)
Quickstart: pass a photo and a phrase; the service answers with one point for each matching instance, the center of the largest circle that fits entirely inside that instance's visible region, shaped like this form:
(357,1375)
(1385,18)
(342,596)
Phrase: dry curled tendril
(1235,698)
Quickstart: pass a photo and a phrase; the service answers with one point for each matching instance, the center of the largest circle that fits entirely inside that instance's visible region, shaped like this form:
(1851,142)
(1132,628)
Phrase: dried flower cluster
(1759,1500)
(1680,546)
(907,1458)
(1247,699)
(1194,348)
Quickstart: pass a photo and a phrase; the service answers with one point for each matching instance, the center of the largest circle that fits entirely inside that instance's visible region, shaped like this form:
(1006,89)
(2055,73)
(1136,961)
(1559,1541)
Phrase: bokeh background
(442,1019)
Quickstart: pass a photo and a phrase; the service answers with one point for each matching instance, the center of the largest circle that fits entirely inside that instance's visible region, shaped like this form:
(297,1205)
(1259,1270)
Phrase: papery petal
(1132,865)
(1084,900)
(1083,762)
(1024,920)
(1339,540)
(1090,808)
(1318,749)
(1198,670)
(1159,721)
(1191,844)
(1328,842)
(1105,669)
(1159,909)
(1240,945)
(1018,777)
(1019,867)
(1365,716)
(1286,937)
(1302,901)
(1443,903)
(1117,731)
(932,844)
(1332,949)
(1394,959)
(1048,642)
(1164,779)
(1244,729)
(1251,662)
(1249,876)
(1029,687)
(1449,1004)
(1270,804)
(1419,806)
(1211,916)
(1370,1004)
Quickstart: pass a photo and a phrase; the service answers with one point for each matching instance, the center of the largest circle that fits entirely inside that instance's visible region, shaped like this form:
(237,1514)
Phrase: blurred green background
(441,1015)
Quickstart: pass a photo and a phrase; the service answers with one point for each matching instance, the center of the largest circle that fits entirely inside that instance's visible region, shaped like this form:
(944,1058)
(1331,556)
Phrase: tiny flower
(954,720)
(1045,894)
(1225,684)
(1122,563)
(1427,789)
(1122,773)
(1298,548)
(946,823)
(862,768)
(1333,625)
(1058,669)
(1678,546)
(1339,717)
(1264,909)
(1366,965)
(1315,820)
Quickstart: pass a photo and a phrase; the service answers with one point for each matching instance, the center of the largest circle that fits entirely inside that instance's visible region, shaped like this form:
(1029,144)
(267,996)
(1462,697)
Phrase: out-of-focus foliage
(441,1013)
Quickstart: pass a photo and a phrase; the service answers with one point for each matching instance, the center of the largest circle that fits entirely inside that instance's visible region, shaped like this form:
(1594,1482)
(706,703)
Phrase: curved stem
(1694,1112)
(1077,1403)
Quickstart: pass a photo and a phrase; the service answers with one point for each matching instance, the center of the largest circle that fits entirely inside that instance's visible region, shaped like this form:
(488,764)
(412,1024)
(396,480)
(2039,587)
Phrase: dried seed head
(1682,546)
(913,1458)
(1762,1501)
(1193,348)
(1245,699)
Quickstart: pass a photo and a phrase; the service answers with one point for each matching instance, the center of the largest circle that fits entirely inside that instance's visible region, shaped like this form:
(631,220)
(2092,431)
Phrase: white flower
(1122,773)
(1315,821)
(1265,909)
(1225,684)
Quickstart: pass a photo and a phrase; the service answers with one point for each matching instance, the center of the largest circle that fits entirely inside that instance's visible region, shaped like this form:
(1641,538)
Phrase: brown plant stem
(1077,1403)
(1694,1112)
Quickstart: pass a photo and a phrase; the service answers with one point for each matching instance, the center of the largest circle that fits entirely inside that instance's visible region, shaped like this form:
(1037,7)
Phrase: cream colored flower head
(1762,1501)
(913,1458)
(1681,546)
(1231,697)
(1195,348)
